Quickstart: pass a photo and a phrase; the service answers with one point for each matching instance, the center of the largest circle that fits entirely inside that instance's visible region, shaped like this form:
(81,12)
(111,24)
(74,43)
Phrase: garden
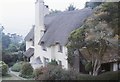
(50,72)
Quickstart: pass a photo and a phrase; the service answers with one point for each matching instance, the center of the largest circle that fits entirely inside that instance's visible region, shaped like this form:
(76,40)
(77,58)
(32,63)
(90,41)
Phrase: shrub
(52,72)
(27,70)
(113,75)
(17,67)
(3,68)
(88,66)
(38,72)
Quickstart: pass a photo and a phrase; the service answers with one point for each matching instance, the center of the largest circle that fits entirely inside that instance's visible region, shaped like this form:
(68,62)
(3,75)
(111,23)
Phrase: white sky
(17,16)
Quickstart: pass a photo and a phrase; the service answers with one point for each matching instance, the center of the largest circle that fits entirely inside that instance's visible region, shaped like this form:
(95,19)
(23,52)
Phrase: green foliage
(3,68)
(92,4)
(23,46)
(12,48)
(112,75)
(71,7)
(17,66)
(97,36)
(53,62)
(52,72)
(9,58)
(5,41)
(37,72)
(54,11)
(76,41)
(88,66)
(27,70)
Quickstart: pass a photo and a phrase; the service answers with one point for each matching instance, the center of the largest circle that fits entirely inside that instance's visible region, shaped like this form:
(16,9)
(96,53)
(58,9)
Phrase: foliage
(53,62)
(88,66)
(76,41)
(12,48)
(92,4)
(23,46)
(38,72)
(54,11)
(112,75)
(27,70)
(17,66)
(52,72)
(9,58)
(96,37)
(71,7)
(5,41)
(3,68)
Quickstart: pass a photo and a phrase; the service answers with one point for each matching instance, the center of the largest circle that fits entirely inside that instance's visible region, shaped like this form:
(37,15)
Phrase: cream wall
(28,44)
(115,66)
(52,53)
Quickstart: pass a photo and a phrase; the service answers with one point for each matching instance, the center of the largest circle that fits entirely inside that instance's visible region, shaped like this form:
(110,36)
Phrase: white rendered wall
(46,11)
(28,44)
(39,26)
(52,53)
(115,67)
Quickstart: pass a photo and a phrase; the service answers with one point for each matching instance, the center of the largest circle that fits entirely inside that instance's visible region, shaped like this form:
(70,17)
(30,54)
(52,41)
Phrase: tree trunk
(96,67)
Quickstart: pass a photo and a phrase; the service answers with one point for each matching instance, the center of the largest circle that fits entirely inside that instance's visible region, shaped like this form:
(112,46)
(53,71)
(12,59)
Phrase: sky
(18,16)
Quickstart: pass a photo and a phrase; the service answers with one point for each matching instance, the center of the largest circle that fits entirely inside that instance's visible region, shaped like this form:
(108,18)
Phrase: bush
(113,75)
(27,70)
(52,72)
(38,72)
(17,67)
(3,68)
(88,66)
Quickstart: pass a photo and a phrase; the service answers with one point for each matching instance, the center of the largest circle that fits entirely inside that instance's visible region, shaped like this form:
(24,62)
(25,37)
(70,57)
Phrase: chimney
(46,10)
(39,26)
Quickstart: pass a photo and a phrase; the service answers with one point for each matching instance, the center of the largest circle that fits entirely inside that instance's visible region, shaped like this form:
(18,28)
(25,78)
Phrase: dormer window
(60,48)
(30,39)
(43,46)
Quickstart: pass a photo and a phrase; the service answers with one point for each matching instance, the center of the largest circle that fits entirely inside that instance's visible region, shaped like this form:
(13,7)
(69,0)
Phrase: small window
(59,62)
(32,43)
(60,48)
(43,46)
(46,61)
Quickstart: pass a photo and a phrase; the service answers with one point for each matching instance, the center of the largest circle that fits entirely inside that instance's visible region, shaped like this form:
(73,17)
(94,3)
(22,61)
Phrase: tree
(71,8)
(54,11)
(95,38)
(92,4)
(5,41)
(23,47)
(76,42)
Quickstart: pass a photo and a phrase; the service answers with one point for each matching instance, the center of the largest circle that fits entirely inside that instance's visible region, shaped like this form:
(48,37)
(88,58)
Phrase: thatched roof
(29,52)
(59,26)
(30,35)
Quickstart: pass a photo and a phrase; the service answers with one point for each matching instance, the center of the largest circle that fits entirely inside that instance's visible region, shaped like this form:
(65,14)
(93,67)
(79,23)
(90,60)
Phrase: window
(46,61)
(32,43)
(59,63)
(43,46)
(60,48)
